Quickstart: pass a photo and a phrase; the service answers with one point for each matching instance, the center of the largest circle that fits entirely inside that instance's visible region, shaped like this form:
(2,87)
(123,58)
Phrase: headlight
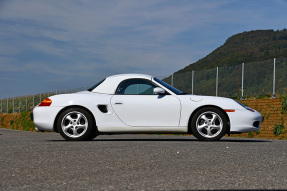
(248,108)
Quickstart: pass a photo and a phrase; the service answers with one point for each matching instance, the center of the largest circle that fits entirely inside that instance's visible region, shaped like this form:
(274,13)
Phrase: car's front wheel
(209,124)
(76,124)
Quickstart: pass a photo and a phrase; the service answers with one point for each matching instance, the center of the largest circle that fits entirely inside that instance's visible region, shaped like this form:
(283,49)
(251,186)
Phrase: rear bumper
(44,117)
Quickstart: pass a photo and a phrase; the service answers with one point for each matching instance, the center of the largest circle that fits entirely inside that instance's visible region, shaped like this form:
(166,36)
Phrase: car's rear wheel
(209,124)
(76,124)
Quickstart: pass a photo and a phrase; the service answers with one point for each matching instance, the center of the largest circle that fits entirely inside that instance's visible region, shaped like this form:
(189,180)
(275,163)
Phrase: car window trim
(156,85)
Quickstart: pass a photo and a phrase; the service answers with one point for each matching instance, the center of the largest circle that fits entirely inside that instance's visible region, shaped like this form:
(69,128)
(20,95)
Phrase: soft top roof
(111,83)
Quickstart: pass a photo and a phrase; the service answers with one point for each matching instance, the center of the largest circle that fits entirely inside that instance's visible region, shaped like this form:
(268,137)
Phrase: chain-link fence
(264,78)
(28,102)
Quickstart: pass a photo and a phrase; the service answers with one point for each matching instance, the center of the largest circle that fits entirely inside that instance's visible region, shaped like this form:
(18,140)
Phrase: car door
(136,105)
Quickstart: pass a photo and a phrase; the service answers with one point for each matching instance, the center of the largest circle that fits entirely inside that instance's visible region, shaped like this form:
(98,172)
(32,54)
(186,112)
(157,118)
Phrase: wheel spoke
(209,133)
(79,117)
(203,117)
(75,133)
(81,126)
(203,126)
(69,118)
(217,127)
(66,128)
(214,117)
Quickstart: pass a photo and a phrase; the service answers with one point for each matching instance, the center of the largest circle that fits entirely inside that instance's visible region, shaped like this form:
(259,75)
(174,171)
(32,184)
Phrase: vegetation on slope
(256,49)
(17,121)
(244,47)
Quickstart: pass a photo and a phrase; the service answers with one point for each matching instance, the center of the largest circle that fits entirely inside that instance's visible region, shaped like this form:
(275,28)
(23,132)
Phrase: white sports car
(135,103)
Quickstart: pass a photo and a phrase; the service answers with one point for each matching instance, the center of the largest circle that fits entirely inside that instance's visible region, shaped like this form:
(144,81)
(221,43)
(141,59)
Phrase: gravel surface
(44,161)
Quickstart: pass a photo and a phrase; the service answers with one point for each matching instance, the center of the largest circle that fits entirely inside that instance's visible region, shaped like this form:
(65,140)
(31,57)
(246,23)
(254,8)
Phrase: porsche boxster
(136,103)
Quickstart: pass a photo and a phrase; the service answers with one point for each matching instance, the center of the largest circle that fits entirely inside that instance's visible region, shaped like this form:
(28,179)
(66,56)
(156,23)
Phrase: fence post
(242,87)
(33,100)
(13,104)
(216,81)
(1,105)
(172,79)
(274,77)
(7,106)
(26,102)
(192,78)
(19,104)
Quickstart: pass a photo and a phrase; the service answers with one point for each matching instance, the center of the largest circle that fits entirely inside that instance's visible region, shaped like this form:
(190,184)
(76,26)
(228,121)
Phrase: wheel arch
(205,106)
(68,107)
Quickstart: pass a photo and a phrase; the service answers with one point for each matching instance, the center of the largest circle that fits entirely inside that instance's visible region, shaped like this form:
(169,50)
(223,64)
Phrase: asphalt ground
(44,161)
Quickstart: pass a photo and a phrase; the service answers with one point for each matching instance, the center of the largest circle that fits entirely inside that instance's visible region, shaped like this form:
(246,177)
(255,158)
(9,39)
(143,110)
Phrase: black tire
(76,124)
(209,124)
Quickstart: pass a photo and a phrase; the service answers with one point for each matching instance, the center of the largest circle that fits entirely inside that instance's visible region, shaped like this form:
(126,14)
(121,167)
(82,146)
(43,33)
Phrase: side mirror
(159,91)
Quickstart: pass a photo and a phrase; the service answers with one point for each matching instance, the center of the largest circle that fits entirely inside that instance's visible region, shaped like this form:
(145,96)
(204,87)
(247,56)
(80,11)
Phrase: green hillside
(256,49)
(245,47)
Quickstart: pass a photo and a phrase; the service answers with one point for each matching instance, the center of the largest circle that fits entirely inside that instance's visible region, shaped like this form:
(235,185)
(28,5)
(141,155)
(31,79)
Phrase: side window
(136,87)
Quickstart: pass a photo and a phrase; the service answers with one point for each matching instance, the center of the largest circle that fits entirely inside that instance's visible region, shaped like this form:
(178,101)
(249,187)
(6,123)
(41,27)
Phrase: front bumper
(243,121)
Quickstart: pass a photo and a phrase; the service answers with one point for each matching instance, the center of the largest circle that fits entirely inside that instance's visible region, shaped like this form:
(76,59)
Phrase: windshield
(94,86)
(174,90)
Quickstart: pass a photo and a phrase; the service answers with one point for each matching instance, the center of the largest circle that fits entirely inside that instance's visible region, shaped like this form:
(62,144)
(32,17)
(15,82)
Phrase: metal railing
(28,102)
(264,78)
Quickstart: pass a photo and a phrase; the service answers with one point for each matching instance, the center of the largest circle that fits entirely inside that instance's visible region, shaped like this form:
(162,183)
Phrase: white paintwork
(111,83)
(147,110)
(141,113)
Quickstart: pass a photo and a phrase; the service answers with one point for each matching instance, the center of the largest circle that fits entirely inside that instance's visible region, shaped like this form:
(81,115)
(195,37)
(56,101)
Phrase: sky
(57,45)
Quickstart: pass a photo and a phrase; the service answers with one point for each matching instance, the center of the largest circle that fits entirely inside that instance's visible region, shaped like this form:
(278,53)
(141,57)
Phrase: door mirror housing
(159,91)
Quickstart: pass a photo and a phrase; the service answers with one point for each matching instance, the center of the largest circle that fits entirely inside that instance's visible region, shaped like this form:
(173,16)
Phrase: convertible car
(136,103)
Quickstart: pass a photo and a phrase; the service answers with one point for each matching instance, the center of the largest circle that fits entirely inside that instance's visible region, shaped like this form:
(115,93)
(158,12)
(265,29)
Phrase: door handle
(118,102)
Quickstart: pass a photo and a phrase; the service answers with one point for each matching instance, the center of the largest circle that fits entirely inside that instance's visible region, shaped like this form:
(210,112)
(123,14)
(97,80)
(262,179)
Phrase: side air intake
(103,108)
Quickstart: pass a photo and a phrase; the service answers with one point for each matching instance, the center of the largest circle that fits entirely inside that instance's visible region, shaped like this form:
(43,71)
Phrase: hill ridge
(250,46)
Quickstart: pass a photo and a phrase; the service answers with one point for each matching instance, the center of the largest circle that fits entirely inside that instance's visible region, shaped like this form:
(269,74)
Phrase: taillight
(46,102)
